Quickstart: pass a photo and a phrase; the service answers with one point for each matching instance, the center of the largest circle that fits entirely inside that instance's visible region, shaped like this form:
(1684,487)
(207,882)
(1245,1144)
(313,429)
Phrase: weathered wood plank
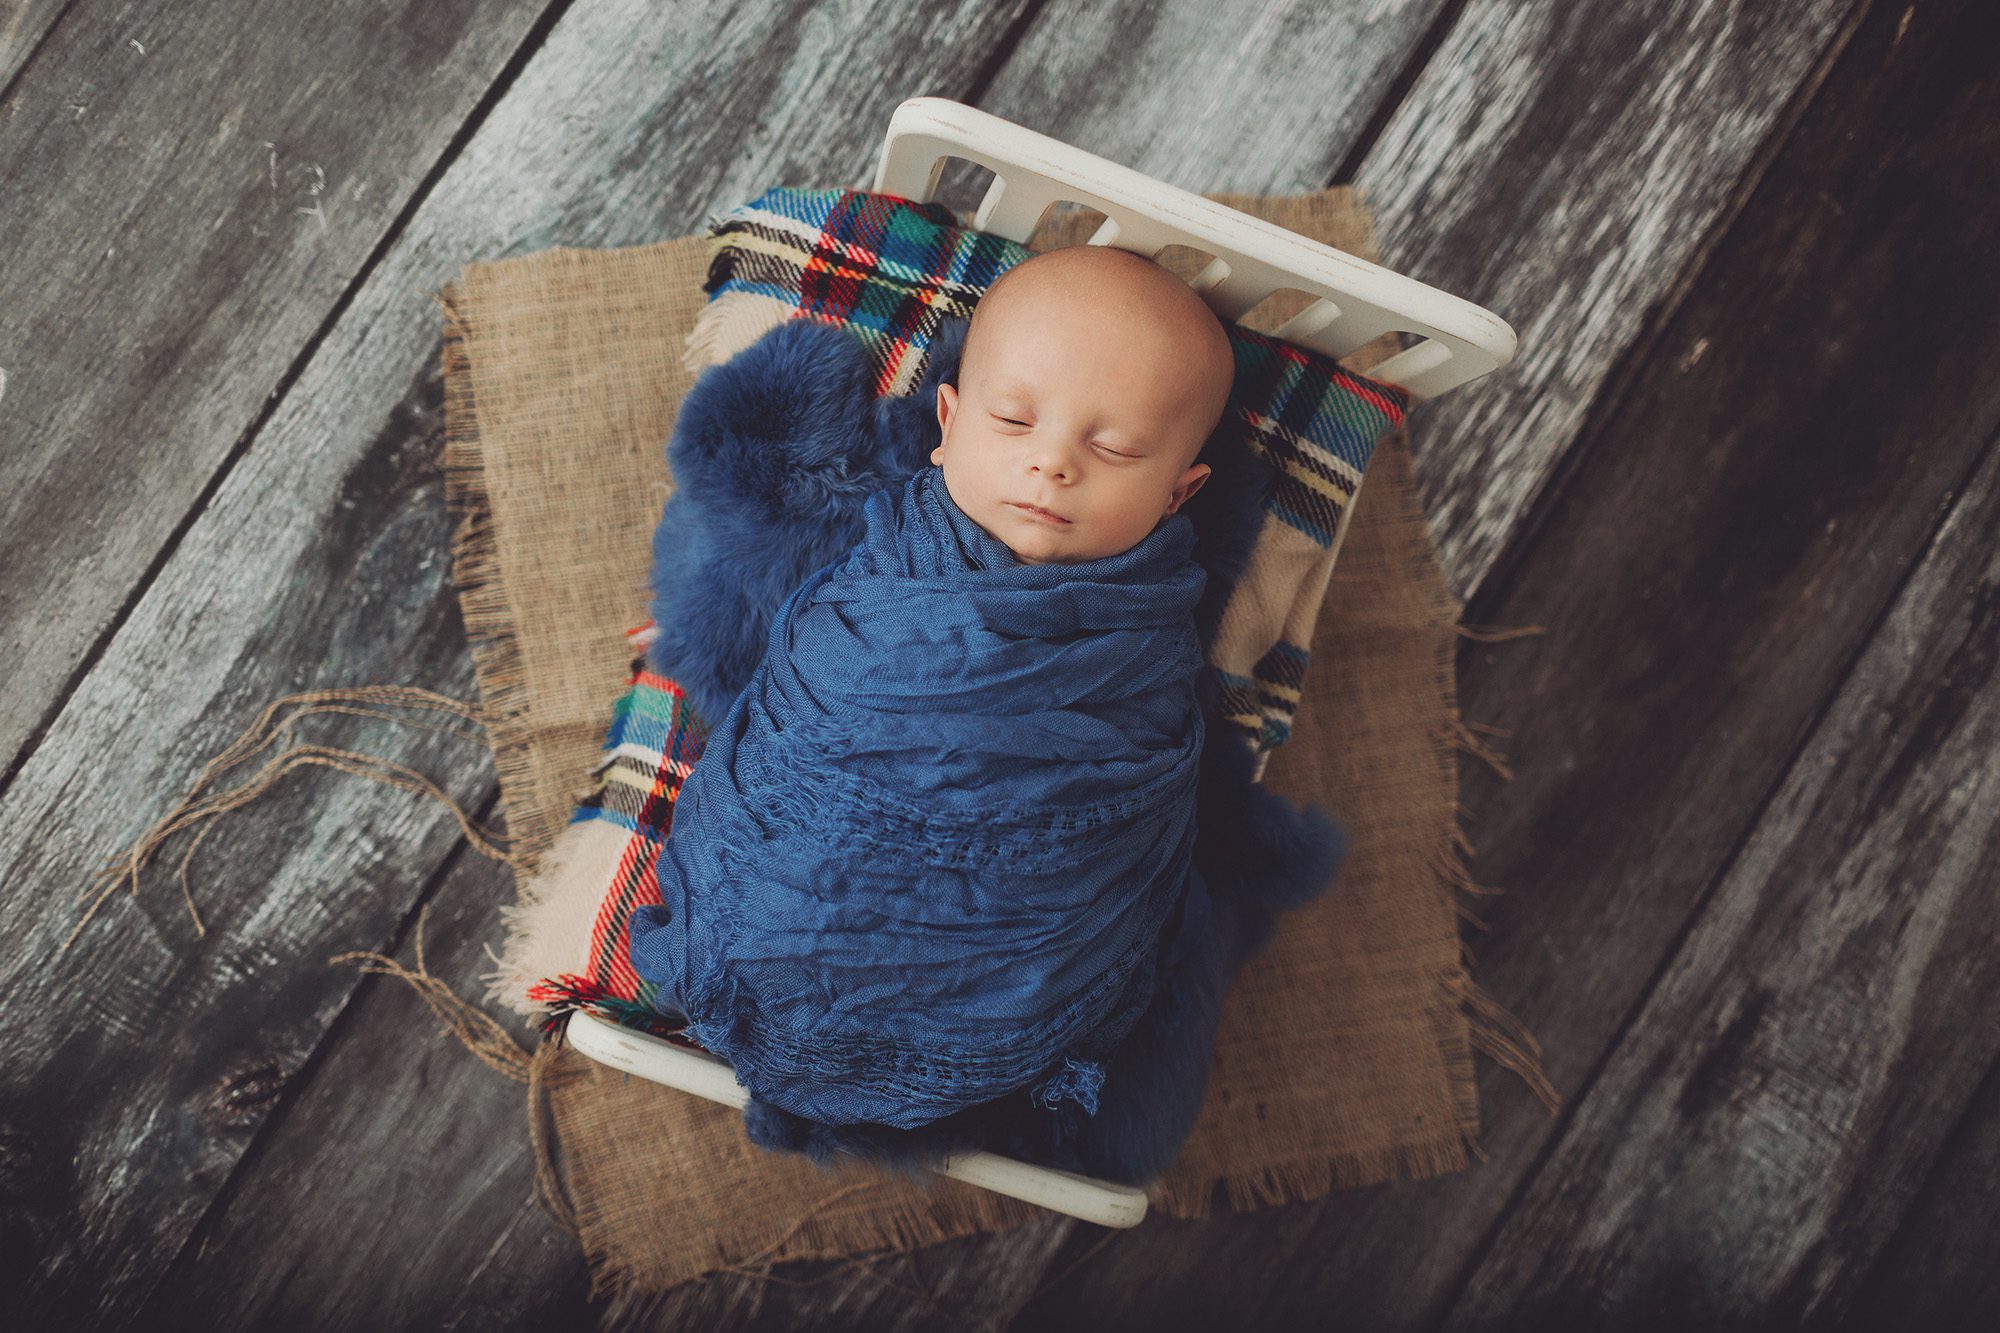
(320,560)
(1740,520)
(1788,1083)
(1937,1272)
(22,28)
(1565,168)
(179,226)
(139,1066)
(1249,96)
(397,1175)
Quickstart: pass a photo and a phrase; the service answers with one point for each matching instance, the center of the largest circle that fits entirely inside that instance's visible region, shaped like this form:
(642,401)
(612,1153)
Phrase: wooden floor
(1744,471)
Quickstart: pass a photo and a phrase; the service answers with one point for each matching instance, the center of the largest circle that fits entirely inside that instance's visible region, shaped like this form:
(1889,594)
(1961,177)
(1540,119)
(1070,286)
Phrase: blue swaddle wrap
(928,857)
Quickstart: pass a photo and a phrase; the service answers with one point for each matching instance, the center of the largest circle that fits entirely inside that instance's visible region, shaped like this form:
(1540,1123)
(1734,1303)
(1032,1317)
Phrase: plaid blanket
(1297,436)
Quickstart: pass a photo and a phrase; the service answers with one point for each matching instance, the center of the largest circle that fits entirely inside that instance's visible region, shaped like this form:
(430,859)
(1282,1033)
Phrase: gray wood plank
(1247,96)
(22,27)
(1566,170)
(1788,1083)
(1937,1272)
(320,560)
(1741,518)
(180,224)
(397,1175)
(141,1064)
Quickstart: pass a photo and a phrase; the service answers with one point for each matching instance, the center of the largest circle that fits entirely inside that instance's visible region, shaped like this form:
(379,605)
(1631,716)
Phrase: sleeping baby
(931,881)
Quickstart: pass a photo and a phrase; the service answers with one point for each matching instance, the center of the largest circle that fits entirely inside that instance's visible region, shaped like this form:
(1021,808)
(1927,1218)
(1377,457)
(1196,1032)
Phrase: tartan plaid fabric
(894,271)
(653,743)
(891,270)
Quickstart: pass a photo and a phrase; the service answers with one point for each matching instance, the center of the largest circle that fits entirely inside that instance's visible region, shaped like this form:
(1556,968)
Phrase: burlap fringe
(1490,1028)
(482,597)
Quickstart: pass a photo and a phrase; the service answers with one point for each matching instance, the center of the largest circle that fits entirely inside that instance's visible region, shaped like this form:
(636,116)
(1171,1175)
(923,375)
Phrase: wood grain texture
(1937,1271)
(1723,553)
(1566,167)
(140,1065)
(1248,96)
(320,560)
(396,1175)
(23,25)
(1787,1085)
(172,249)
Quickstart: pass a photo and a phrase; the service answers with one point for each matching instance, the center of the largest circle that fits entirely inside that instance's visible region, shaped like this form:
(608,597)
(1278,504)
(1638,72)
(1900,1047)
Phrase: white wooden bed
(1357,302)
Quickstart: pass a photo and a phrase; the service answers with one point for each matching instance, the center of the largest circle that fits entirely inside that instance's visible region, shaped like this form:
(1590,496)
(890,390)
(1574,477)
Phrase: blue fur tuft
(773,456)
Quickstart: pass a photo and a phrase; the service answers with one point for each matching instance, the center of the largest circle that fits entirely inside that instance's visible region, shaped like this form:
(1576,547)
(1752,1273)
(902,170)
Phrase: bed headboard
(1357,301)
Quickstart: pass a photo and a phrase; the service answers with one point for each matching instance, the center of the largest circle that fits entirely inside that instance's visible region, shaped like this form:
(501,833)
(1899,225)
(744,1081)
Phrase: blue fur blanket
(776,456)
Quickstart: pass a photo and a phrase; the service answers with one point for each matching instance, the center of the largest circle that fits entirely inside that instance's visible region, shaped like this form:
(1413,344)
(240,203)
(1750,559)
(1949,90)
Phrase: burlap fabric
(1345,1052)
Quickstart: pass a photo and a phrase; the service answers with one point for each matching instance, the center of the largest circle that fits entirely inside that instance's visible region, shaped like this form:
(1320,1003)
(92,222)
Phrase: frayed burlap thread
(275,724)
(1346,1051)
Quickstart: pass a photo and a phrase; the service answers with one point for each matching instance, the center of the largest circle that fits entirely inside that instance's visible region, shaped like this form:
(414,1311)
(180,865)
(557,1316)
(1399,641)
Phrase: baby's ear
(1191,481)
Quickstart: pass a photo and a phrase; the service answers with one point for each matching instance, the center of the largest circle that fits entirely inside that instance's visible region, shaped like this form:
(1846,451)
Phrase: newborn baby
(938,850)
(1090,379)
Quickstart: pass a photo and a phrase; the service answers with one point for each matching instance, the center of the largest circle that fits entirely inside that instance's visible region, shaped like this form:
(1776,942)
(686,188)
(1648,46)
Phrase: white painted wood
(1359,301)
(704,1075)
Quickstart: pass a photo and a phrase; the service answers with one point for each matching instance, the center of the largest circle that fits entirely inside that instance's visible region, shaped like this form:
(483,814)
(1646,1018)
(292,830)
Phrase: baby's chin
(1036,550)
(1033,549)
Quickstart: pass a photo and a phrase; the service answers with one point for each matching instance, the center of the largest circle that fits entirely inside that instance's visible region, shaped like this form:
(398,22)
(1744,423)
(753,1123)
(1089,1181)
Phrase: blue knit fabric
(928,856)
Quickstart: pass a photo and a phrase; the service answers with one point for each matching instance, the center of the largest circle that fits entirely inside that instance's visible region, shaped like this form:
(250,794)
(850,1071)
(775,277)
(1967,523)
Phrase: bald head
(1169,333)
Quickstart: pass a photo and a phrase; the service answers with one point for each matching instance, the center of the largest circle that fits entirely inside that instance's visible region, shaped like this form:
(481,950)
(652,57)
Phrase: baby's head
(1089,380)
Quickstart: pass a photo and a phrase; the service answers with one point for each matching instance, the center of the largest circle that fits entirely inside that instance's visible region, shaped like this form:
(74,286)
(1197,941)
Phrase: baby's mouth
(1042,514)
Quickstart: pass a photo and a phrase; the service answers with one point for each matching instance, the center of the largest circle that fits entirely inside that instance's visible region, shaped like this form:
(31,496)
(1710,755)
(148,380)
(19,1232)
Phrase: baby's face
(1075,430)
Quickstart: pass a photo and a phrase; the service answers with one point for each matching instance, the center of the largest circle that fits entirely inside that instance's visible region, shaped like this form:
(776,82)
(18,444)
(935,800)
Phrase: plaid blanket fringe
(649,751)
